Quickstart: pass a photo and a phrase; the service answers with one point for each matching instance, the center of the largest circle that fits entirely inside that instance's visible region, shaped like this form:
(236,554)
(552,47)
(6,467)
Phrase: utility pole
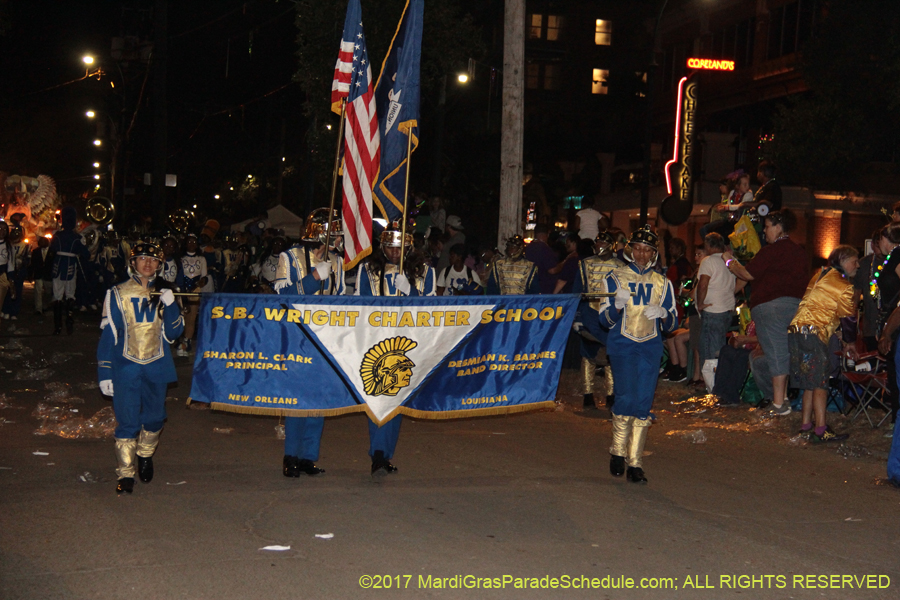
(648,122)
(513,121)
(160,115)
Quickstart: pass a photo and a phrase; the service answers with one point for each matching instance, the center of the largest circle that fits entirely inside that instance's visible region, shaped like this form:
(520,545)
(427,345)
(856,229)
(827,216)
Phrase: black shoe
(126,484)
(610,400)
(381,466)
(589,402)
(664,374)
(636,475)
(145,468)
(617,465)
(309,467)
(677,375)
(828,436)
(291,466)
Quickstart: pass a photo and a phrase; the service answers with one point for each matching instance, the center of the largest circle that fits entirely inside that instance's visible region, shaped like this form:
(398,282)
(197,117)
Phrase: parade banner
(428,357)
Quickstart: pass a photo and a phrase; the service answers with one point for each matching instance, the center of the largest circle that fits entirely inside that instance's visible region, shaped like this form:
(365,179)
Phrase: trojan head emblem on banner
(385,367)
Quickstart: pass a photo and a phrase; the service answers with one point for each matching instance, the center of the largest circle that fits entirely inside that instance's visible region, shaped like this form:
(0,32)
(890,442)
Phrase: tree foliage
(851,115)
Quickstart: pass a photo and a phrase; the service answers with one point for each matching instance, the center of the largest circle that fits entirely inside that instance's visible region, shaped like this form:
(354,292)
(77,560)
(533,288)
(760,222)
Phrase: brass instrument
(181,220)
(100,211)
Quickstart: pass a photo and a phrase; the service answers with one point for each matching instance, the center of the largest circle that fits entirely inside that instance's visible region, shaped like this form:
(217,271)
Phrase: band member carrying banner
(642,309)
(135,363)
(381,276)
(308,269)
(592,273)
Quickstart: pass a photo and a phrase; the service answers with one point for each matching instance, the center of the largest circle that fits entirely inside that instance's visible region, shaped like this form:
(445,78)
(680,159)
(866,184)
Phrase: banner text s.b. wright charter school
(432,358)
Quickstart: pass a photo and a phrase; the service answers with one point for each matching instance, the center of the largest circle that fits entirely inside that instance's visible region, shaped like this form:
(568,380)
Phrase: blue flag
(397,105)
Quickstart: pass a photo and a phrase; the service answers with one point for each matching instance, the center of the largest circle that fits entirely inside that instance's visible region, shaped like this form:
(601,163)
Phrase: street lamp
(463,78)
(97,142)
(87,59)
(96,165)
(90,114)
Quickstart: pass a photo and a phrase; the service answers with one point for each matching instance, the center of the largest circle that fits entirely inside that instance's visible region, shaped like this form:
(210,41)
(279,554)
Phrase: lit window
(551,77)
(532,76)
(603,33)
(598,85)
(537,22)
(554,26)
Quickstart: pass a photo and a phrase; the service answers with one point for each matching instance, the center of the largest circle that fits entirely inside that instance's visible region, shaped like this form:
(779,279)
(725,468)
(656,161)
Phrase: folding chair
(867,384)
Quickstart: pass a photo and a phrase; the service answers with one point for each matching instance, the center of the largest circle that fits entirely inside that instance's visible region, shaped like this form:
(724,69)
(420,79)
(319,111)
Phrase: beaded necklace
(874,291)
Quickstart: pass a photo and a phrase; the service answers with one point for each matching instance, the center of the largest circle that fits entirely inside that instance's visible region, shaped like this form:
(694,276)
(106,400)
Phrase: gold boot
(587,375)
(146,446)
(125,453)
(621,428)
(639,430)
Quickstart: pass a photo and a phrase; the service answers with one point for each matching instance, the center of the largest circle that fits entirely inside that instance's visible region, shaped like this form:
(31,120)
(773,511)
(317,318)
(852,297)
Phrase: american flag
(362,152)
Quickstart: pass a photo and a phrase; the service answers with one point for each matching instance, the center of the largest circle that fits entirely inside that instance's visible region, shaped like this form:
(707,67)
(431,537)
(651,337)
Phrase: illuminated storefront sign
(710,64)
(679,170)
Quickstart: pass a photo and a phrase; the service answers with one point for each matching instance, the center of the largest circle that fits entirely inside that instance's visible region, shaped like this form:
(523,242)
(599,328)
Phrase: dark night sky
(219,128)
(45,129)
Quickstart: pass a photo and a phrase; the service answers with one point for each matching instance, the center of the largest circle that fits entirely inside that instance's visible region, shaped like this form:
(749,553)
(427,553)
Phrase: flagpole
(406,197)
(334,176)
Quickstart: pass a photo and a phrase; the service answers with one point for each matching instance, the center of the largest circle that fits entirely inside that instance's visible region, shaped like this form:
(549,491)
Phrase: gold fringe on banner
(410,412)
(477,412)
(285,412)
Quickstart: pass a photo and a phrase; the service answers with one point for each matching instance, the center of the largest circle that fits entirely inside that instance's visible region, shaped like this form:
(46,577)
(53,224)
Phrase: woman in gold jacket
(829,297)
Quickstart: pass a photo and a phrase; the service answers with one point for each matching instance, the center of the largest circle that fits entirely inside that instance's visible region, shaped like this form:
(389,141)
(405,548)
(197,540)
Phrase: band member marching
(513,274)
(68,251)
(592,273)
(135,363)
(380,276)
(196,279)
(308,269)
(642,309)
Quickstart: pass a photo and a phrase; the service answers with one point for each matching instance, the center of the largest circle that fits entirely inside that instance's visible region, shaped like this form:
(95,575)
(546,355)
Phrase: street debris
(694,436)
(276,548)
(65,422)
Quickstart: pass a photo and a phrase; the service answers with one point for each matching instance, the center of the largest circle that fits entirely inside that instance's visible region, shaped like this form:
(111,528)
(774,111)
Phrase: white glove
(402,284)
(323,269)
(623,297)
(167,298)
(281,284)
(106,387)
(654,311)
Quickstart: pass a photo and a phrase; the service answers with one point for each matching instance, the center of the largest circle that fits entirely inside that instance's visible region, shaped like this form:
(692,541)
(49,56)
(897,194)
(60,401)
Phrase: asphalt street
(477,505)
